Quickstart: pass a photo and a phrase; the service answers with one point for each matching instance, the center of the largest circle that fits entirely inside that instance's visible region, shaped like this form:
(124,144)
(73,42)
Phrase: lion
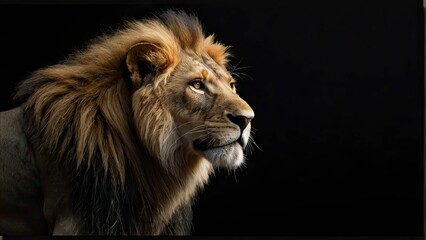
(118,138)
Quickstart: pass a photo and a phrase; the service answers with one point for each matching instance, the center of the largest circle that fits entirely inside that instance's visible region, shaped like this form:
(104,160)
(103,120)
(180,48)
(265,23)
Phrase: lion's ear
(143,58)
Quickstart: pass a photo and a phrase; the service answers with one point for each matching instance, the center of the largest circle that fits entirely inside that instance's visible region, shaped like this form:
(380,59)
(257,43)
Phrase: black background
(337,88)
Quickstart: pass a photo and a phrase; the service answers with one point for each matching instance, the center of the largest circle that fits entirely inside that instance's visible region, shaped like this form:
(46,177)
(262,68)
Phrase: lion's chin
(229,156)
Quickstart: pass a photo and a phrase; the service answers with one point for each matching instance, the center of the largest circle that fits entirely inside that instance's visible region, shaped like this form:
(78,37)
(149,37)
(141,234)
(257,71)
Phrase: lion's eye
(198,84)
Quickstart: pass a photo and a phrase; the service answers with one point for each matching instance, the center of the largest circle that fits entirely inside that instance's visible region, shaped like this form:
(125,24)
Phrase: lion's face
(200,113)
(210,118)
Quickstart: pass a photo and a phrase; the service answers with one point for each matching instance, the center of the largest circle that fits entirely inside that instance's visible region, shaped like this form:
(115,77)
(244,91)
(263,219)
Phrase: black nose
(241,121)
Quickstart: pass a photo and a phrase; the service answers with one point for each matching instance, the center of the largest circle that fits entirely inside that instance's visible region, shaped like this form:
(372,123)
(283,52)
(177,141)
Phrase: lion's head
(152,103)
(188,99)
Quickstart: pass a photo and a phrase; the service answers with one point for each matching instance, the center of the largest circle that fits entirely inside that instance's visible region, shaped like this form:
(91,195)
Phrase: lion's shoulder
(18,177)
(12,135)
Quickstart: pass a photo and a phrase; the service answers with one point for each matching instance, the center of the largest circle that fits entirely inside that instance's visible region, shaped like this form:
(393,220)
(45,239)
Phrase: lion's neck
(146,202)
(170,190)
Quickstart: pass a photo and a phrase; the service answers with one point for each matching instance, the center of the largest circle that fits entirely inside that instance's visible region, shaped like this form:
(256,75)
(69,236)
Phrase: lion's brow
(212,68)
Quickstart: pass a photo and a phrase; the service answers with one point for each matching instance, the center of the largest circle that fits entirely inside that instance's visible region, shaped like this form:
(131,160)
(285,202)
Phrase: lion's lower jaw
(230,156)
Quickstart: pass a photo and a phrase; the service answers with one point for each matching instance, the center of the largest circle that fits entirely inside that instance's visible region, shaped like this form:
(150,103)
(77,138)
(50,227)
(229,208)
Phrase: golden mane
(79,112)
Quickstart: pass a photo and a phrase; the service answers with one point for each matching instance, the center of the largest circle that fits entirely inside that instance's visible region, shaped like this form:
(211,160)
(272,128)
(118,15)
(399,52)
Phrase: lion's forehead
(208,69)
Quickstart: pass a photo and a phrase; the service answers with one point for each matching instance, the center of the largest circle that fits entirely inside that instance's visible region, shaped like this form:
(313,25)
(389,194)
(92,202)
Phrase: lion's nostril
(241,121)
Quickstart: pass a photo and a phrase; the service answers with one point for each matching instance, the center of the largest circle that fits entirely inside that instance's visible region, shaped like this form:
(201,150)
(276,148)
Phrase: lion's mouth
(204,145)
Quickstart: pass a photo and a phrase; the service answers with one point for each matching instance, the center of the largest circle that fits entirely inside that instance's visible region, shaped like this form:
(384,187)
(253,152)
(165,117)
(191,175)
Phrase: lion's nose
(241,120)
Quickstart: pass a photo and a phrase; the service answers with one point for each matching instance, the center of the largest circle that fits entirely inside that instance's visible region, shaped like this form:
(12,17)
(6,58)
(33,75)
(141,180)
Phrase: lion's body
(101,146)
